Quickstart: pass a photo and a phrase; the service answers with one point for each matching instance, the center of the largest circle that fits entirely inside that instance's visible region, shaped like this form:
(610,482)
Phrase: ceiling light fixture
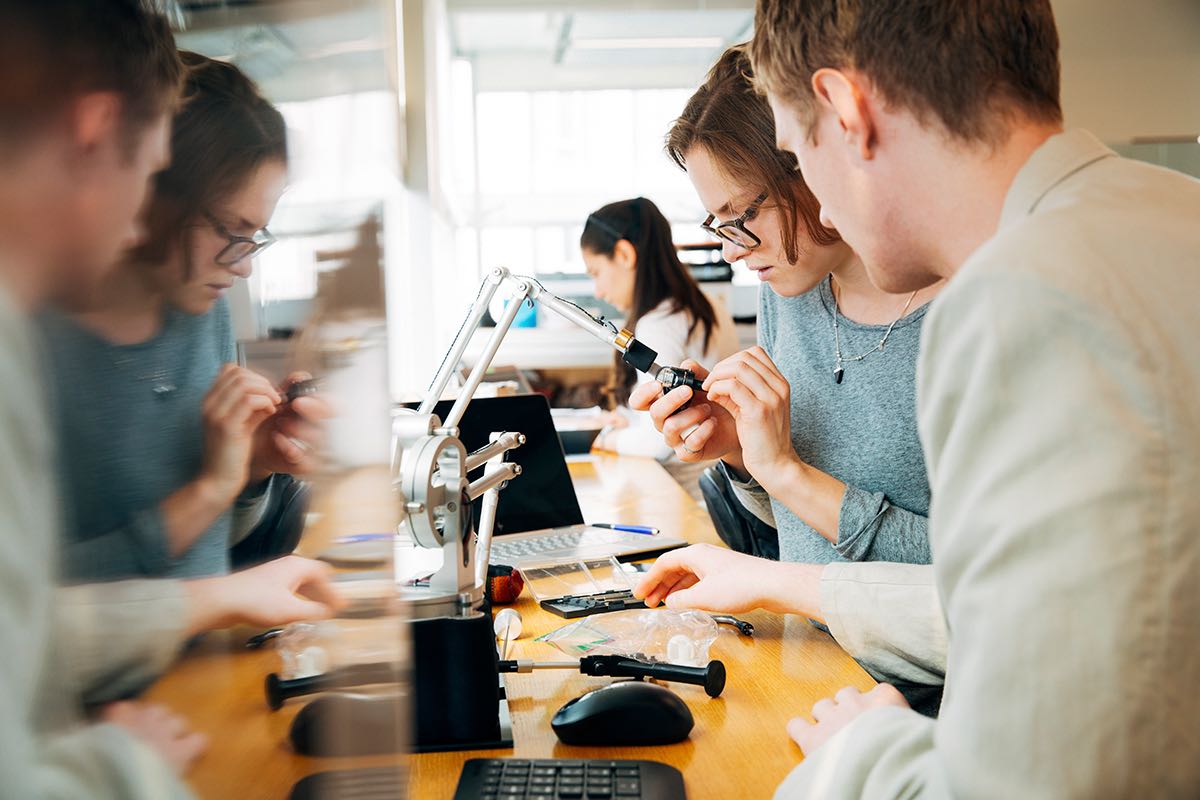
(650,43)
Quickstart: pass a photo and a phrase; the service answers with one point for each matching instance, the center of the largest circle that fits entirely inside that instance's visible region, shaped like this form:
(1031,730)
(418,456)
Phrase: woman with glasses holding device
(815,427)
(168,448)
(631,257)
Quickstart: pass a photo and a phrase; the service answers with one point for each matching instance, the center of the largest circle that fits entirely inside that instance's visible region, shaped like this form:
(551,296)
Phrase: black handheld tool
(279,690)
(711,677)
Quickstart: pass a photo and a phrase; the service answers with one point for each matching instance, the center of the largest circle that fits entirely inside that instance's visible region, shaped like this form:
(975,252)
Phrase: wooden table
(739,747)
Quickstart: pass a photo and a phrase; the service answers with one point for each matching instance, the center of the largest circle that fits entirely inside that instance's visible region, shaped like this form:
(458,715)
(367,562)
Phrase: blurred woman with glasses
(816,426)
(168,448)
(631,257)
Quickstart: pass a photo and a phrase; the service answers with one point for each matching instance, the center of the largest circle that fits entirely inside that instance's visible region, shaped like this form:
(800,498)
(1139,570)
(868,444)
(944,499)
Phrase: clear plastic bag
(662,635)
(314,648)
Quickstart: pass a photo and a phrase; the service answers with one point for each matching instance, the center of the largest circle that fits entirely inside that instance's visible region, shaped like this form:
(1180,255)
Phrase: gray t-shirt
(862,431)
(130,433)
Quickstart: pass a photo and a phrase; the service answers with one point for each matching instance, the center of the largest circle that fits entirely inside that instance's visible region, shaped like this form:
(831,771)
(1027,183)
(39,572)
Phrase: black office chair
(735,524)
(278,531)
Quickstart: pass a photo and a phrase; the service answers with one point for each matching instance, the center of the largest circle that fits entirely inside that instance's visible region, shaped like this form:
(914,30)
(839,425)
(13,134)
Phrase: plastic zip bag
(662,634)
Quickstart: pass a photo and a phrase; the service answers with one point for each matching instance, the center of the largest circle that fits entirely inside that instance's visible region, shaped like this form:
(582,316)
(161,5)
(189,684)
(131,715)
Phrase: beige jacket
(1059,406)
(888,617)
(55,643)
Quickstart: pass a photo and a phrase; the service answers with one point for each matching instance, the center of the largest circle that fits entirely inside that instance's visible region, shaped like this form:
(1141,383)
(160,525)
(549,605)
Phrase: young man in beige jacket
(87,88)
(1057,400)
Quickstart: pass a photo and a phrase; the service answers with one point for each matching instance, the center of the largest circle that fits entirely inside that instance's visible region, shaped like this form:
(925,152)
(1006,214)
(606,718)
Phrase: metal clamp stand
(459,704)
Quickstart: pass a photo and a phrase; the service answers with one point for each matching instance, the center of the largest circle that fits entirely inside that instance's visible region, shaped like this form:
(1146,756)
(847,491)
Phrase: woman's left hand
(290,440)
(752,389)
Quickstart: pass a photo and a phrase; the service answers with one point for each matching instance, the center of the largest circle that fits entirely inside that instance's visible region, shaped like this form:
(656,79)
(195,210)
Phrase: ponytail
(660,277)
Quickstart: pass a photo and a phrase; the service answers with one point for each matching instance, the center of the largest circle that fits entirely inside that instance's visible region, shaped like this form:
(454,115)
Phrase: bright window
(547,159)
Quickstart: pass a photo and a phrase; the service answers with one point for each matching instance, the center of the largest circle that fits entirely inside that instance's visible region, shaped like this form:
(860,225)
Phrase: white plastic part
(507,620)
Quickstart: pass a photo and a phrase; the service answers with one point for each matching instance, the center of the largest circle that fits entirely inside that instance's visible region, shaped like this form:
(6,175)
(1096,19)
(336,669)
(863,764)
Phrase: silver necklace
(148,365)
(839,369)
(157,375)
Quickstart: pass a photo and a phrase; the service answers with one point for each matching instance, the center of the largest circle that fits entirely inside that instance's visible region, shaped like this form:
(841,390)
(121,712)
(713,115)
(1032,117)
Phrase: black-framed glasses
(239,247)
(735,230)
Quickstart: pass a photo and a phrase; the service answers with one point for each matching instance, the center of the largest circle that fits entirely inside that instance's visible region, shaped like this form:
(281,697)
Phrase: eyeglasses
(735,230)
(239,247)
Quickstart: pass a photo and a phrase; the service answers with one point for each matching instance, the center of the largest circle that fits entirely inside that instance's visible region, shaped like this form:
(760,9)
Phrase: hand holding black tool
(674,377)
(711,677)
(302,389)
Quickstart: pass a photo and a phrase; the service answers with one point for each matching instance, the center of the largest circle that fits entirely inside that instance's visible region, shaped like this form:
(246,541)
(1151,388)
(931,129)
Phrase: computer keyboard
(568,779)
(369,783)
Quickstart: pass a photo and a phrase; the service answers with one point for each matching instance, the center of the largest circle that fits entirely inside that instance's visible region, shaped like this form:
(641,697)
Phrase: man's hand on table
(712,578)
(833,714)
(159,728)
(288,589)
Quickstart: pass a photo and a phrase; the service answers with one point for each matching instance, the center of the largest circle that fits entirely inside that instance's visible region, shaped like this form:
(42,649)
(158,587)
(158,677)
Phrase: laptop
(538,517)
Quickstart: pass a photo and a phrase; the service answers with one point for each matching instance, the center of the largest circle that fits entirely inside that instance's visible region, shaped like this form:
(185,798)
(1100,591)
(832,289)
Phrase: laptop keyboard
(568,779)
(503,551)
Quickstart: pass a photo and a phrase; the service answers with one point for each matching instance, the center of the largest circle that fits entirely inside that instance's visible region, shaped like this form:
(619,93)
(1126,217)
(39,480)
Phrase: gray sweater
(130,433)
(862,431)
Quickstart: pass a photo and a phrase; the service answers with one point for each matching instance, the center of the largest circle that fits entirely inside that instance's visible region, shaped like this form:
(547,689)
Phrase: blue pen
(642,529)
(364,537)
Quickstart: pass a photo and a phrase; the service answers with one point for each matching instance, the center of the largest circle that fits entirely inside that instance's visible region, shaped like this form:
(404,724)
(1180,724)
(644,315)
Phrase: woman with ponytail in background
(630,255)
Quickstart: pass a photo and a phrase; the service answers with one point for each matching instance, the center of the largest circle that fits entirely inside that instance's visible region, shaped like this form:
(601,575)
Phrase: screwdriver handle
(280,689)
(711,677)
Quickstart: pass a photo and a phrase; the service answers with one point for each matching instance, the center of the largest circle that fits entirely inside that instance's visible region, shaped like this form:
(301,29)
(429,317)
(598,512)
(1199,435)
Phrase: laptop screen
(543,496)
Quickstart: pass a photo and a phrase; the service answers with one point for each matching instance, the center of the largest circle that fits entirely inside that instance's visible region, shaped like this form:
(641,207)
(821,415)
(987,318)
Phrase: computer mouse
(625,713)
(349,724)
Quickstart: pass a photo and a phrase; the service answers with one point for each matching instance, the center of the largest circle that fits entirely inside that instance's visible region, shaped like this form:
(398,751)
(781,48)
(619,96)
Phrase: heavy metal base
(457,693)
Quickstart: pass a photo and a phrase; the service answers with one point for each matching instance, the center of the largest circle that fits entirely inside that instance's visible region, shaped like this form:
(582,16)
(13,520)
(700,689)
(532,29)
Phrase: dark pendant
(837,374)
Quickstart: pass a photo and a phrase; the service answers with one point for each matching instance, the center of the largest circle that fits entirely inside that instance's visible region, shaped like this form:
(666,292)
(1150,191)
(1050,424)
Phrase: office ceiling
(295,49)
(527,44)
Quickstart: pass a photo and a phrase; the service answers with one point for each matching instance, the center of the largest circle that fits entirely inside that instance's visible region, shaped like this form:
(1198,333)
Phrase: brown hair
(224,131)
(660,277)
(734,124)
(52,51)
(969,64)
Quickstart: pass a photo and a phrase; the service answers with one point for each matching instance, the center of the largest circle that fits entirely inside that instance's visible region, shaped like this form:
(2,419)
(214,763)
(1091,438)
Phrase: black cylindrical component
(711,677)
(674,377)
(638,356)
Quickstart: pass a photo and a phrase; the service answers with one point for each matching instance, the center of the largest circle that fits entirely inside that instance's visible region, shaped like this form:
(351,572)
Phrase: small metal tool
(259,639)
(743,627)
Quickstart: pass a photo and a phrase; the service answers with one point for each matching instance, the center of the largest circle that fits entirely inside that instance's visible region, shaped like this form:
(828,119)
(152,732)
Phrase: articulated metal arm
(430,460)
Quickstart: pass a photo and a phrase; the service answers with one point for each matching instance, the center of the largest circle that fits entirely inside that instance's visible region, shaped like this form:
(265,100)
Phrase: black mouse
(626,713)
(345,724)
